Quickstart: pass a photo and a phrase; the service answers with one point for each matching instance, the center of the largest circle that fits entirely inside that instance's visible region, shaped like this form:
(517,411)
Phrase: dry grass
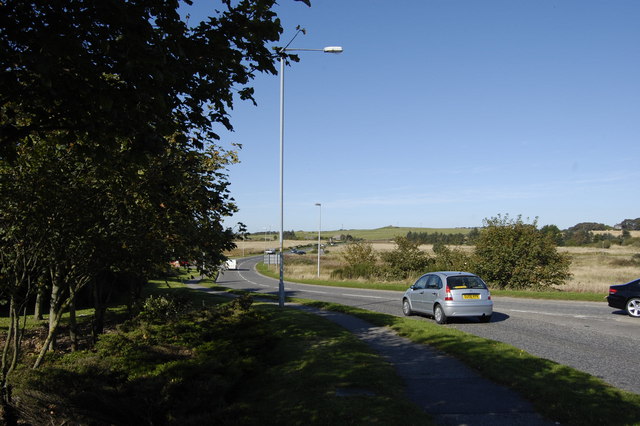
(593,269)
(251,247)
(616,233)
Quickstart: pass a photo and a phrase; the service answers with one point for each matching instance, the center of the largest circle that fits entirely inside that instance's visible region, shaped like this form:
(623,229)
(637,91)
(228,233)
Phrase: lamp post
(265,240)
(282,53)
(319,230)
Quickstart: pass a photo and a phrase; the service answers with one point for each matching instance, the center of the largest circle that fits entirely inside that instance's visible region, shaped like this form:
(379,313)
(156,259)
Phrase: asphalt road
(589,336)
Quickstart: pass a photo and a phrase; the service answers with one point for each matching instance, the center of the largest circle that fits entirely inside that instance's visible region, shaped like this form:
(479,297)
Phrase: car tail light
(488,295)
(448,296)
(612,290)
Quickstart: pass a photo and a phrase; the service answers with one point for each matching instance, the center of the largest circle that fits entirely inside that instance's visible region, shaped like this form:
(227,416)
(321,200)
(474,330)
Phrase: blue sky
(441,113)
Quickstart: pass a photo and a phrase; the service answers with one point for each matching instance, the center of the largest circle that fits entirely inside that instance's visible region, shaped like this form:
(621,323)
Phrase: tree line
(580,234)
(443,238)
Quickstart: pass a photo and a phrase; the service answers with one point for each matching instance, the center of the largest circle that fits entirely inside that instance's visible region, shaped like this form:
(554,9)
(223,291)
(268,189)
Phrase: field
(380,234)
(616,233)
(593,269)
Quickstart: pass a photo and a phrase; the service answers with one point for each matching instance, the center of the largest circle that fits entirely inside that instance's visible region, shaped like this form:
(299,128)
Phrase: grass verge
(558,392)
(549,295)
(322,374)
(216,361)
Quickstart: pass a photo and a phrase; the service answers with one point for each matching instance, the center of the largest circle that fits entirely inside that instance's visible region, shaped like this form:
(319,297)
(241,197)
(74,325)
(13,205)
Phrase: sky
(441,113)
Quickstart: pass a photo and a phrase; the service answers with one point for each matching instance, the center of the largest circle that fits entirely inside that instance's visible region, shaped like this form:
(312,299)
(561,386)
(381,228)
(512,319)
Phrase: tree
(554,233)
(108,155)
(473,236)
(289,235)
(512,254)
(103,69)
(581,233)
(630,224)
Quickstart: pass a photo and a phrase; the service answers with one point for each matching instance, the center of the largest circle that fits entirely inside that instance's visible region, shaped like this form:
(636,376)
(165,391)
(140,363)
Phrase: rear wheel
(439,315)
(406,307)
(633,307)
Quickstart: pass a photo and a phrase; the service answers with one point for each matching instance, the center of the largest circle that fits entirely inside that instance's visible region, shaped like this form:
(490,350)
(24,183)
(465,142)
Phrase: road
(588,336)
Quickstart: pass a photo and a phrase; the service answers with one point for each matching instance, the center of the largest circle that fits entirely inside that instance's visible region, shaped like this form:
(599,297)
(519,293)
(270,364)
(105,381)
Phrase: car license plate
(471,296)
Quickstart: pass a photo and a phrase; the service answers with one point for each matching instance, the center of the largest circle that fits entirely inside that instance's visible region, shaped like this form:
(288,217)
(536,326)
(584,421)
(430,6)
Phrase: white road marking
(361,295)
(554,314)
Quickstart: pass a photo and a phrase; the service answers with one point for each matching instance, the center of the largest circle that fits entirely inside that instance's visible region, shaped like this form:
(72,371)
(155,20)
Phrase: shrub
(360,261)
(447,259)
(406,260)
(157,309)
(359,253)
(515,255)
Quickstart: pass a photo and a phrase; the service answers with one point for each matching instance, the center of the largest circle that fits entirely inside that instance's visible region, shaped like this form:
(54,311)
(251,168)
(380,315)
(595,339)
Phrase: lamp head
(332,49)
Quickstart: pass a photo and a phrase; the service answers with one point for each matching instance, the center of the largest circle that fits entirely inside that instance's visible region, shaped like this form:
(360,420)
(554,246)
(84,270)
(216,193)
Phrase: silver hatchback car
(449,294)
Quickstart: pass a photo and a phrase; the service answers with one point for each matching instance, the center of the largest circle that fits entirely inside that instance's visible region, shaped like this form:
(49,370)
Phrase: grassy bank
(194,358)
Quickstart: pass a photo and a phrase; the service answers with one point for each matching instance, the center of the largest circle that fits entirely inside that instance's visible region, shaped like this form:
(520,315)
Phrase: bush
(512,254)
(360,262)
(406,261)
(447,259)
(359,253)
(158,309)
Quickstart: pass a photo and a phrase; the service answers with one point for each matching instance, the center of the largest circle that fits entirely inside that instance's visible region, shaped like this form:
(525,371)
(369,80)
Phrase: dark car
(626,296)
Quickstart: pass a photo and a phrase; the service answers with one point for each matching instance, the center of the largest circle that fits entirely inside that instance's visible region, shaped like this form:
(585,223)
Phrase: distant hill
(386,233)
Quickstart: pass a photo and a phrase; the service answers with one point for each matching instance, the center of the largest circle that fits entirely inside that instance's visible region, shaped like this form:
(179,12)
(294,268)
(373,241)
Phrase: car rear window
(465,282)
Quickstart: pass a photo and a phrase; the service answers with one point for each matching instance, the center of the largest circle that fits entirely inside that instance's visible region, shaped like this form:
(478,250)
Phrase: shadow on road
(620,312)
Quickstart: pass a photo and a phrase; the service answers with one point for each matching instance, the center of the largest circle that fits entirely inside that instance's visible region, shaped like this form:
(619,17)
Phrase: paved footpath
(442,386)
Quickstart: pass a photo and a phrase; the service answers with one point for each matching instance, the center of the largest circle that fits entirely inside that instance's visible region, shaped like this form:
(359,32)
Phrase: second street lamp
(319,230)
(282,53)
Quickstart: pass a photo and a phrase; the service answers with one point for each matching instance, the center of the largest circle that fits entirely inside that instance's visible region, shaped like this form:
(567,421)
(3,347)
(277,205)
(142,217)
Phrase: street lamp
(265,239)
(282,53)
(319,229)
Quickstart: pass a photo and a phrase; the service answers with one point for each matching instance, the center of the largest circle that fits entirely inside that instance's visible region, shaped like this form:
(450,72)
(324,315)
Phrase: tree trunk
(53,328)
(11,344)
(53,316)
(58,305)
(73,324)
(37,311)
(8,414)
